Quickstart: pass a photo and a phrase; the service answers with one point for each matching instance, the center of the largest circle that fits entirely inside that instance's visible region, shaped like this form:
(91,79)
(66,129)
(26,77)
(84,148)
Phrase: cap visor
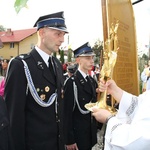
(60,29)
(92,54)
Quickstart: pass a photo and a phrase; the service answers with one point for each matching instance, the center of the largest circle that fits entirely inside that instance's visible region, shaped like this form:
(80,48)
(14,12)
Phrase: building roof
(16,35)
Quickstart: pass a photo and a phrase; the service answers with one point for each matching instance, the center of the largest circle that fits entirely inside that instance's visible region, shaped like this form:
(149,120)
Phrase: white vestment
(130,129)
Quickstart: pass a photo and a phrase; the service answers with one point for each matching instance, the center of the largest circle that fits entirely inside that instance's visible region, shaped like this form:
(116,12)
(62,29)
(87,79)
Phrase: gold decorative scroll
(109,57)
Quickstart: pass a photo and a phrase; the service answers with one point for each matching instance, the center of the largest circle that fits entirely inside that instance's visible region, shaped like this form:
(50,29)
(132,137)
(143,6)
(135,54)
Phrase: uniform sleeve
(129,129)
(15,97)
(68,112)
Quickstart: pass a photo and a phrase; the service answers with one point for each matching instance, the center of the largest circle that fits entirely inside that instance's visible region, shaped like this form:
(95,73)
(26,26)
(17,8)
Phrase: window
(12,45)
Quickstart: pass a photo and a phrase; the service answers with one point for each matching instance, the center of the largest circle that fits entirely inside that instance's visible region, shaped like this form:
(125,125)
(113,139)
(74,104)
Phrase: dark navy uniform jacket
(34,127)
(4,127)
(79,128)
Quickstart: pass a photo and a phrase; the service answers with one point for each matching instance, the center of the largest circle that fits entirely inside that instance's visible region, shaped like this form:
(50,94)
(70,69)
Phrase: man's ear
(41,32)
(78,60)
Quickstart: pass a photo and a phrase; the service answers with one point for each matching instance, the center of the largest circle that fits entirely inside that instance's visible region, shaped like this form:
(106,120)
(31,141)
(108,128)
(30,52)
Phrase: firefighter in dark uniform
(80,127)
(70,71)
(34,90)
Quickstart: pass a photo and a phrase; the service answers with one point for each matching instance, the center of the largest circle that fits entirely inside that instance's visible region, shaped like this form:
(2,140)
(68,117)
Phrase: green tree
(62,56)
(2,28)
(69,55)
(145,57)
(19,4)
(98,48)
(142,61)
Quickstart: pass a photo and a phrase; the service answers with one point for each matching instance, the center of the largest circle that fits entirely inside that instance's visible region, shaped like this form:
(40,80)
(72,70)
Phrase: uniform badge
(37,89)
(42,97)
(40,64)
(82,81)
(21,56)
(47,89)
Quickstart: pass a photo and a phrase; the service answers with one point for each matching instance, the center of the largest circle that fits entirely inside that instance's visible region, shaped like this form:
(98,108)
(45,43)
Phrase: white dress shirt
(44,55)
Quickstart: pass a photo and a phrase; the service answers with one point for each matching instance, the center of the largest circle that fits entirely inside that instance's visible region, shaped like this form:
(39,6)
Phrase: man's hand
(72,147)
(100,115)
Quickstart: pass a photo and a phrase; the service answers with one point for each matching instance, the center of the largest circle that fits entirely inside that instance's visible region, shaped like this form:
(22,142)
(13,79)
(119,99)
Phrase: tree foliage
(145,57)
(98,48)
(2,28)
(69,55)
(62,56)
(19,4)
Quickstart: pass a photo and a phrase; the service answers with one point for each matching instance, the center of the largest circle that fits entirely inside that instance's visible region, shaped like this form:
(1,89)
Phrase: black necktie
(51,67)
(89,82)
(88,79)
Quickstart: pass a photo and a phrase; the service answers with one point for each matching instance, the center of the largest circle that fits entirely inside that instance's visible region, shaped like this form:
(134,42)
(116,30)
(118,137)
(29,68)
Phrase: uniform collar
(82,73)
(44,55)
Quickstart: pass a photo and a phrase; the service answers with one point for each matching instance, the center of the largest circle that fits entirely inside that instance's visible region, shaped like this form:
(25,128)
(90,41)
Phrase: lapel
(42,66)
(58,72)
(92,85)
(83,82)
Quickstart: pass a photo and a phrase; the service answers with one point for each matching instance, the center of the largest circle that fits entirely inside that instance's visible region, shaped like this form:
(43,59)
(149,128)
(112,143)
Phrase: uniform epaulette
(72,77)
(23,56)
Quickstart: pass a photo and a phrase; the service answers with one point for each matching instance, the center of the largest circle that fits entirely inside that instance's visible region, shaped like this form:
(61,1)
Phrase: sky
(83,18)
(142,19)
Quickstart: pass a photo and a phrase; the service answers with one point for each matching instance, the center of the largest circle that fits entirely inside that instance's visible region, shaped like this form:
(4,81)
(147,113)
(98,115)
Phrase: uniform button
(58,120)
(2,124)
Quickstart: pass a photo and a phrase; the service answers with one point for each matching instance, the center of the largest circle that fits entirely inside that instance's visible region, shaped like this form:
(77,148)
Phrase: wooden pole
(105,35)
(104,19)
